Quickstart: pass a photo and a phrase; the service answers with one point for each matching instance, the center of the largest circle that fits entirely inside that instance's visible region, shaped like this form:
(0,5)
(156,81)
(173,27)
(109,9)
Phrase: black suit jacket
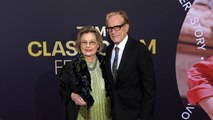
(133,93)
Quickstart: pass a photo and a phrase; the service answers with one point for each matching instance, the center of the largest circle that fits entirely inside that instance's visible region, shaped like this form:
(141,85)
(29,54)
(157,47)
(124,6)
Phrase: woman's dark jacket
(75,77)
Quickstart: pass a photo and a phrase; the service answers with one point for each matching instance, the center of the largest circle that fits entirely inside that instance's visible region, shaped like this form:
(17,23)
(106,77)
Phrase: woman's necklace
(93,65)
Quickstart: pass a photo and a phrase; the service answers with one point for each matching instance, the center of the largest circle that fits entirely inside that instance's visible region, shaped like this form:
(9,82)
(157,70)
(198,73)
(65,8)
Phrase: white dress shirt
(121,47)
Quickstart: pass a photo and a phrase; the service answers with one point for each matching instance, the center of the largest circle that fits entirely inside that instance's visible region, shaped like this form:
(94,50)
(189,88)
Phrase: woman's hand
(77,99)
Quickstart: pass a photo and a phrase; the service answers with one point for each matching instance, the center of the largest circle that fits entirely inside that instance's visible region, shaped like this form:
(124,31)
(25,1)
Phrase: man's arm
(148,83)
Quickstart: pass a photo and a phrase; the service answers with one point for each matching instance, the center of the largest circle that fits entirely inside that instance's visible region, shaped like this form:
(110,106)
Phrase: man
(131,72)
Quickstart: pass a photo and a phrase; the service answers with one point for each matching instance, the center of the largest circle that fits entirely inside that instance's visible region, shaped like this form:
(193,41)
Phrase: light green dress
(100,110)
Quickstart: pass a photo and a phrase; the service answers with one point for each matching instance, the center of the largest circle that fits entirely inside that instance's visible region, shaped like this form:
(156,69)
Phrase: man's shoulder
(136,43)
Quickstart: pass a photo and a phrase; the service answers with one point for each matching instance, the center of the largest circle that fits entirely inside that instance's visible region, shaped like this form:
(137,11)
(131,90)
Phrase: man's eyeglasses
(115,28)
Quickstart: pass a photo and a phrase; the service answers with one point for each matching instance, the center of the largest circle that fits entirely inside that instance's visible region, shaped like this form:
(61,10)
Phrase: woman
(84,87)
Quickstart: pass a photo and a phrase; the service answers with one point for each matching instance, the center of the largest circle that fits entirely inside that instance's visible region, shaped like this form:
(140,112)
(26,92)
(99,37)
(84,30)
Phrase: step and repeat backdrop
(38,38)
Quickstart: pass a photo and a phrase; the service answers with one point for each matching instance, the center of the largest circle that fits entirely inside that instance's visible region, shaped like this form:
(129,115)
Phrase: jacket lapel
(108,61)
(124,58)
(109,54)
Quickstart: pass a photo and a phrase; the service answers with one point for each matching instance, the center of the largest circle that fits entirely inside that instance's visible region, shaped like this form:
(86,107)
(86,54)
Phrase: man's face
(117,28)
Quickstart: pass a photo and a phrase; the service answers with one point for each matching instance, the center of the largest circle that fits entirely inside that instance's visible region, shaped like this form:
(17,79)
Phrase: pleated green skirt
(100,110)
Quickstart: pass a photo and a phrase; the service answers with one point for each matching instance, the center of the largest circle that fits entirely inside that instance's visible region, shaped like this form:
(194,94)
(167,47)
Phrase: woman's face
(89,45)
